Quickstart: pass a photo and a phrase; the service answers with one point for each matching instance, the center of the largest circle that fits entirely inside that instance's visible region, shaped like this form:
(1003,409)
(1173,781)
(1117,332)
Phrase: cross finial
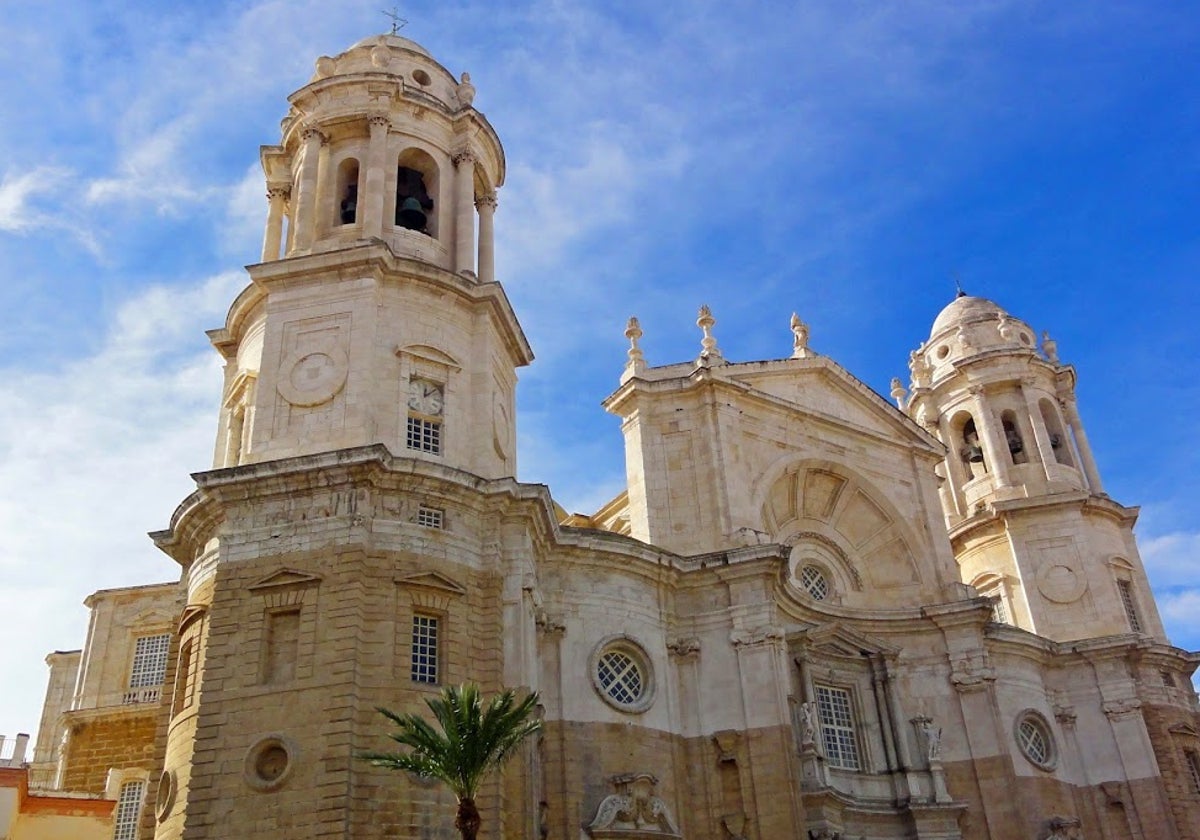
(958,284)
(398,22)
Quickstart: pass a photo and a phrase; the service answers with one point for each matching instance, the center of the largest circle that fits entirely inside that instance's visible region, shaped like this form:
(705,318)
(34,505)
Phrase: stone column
(486,205)
(304,220)
(373,200)
(995,449)
(957,473)
(464,211)
(277,196)
(1041,435)
(1084,448)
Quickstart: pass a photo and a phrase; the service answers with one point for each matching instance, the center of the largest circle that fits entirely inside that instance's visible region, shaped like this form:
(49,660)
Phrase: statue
(919,368)
(799,338)
(808,720)
(1050,348)
(465,91)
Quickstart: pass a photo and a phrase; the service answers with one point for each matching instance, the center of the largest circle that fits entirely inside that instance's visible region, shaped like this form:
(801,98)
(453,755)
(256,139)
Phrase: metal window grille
(1126,589)
(428,517)
(425,649)
(149,661)
(424,435)
(129,806)
(812,581)
(1193,763)
(837,727)
(620,677)
(1033,741)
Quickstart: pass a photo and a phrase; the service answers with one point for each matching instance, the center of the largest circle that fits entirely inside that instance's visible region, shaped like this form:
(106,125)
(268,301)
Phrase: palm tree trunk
(468,820)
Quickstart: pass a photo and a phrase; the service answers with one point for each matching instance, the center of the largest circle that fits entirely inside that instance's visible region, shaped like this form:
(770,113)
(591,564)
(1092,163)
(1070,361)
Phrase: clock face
(425,396)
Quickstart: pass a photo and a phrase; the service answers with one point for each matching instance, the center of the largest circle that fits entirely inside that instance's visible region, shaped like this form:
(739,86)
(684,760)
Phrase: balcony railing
(142,695)
(12,753)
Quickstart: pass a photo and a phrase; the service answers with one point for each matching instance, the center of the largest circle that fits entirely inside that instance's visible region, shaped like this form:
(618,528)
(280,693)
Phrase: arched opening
(1013,438)
(1059,442)
(347,191)
(417,186)
(970,447)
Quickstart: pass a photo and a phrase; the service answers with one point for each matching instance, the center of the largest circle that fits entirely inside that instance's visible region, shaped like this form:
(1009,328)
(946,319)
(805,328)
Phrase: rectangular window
(149,661)
(1131,613)
(424,435)
(428,517)
(129,807)
(1167,679)
(1193,764)
(1000,611)
(283,644)
(837,727)
(425,649)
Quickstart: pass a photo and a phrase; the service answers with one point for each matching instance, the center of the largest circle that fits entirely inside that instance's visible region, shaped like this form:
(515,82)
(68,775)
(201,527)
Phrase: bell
(975,454)
(411,215)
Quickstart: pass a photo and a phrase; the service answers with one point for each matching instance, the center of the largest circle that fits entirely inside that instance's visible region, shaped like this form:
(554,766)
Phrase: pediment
(190,614)
(837,639)
(1185,730)
(431,580)
(429,354)
(821,388)
(282,578)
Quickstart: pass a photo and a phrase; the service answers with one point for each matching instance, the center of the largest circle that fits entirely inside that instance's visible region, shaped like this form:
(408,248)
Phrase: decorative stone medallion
(310,377)
(1061,583)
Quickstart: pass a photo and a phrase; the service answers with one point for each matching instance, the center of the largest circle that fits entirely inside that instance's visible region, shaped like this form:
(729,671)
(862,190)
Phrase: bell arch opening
(347,191)
(417,193)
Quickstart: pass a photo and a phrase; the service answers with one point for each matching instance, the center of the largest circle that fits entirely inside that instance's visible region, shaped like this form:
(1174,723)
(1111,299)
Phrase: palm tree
(472,741)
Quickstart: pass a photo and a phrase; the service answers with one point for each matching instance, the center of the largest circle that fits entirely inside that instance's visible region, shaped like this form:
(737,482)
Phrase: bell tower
(361,540)
(375,316)
(1027,514)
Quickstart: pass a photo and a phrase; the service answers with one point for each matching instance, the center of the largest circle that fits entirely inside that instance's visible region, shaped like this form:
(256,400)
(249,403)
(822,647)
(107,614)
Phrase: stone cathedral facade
(813,613)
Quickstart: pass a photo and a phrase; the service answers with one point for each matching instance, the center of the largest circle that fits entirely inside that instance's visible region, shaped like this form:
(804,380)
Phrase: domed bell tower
(1028,517)
(375,315)
(326,575)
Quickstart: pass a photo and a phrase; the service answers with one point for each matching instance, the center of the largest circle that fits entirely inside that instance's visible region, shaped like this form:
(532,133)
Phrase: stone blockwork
(103,743)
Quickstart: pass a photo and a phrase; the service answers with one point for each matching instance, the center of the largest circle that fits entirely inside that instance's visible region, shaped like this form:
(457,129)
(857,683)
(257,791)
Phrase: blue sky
(844,160)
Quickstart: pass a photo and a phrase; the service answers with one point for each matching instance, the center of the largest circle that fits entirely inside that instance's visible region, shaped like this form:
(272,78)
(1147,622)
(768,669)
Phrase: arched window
(1012,437)
(347,192)
(992,586)
(417,186)
(970,447)
(1058,437)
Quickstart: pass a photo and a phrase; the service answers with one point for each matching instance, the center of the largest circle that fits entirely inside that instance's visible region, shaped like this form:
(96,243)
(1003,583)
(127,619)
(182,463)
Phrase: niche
(970,450)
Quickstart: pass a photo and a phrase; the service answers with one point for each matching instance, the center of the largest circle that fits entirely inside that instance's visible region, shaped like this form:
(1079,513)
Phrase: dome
(962,309)
(392,41)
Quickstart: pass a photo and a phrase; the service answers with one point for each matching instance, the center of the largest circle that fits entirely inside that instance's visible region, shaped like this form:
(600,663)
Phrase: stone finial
(633,331)
(325,67)
(465,91)
(898,392)
(1005,327)
(709,352)
(800,339)
(1050,348)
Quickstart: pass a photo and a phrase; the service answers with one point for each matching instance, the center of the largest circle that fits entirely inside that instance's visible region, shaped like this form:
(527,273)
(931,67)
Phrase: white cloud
(1172,559)
(96,454)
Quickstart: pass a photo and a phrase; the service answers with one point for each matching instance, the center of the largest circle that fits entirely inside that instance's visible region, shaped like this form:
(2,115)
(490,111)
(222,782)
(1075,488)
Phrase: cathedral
(814,612)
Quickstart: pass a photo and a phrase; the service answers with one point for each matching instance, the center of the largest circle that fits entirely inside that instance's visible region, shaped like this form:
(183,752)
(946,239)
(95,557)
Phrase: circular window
(814,582)
(622,675)
(1035,740)
(166,795)
(269,762)
(943,352)
(421,77)
(1025,339)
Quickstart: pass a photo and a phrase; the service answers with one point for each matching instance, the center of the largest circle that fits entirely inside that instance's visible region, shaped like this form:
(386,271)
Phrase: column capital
(488,201)
(311,132)
(278,189)
(463,157)
(378,119)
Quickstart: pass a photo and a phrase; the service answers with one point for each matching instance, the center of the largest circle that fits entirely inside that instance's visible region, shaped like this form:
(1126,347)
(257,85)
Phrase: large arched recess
(813,503)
